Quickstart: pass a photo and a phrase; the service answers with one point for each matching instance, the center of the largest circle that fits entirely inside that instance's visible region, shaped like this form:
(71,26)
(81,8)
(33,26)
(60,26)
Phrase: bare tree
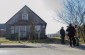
(74,12)
(32,31)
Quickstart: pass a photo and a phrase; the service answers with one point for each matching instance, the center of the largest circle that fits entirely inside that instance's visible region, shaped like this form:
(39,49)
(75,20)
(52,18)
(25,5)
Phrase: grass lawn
(48,40)
(55,40)
(4,40)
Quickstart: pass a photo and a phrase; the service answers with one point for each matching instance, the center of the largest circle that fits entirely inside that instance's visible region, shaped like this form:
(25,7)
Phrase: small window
(43,26)
(37,28)
(12,29)
(16,29)
(24,16)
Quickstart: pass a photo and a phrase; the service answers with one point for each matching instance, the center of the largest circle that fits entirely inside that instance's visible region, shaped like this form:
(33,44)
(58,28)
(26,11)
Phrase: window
(24,16)
(16,29)
(37,28)
(43,26)
(28,28)
(12,29)
(23,31)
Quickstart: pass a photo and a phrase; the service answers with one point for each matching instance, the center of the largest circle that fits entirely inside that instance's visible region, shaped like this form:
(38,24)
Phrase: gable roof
(15,19)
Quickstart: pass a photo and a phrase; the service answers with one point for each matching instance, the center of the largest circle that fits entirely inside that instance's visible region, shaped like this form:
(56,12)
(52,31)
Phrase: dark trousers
(62,39)
(72,40)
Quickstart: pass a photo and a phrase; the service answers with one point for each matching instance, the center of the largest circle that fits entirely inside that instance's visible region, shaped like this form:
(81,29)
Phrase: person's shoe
(77,45)
(74,45)
(70,45)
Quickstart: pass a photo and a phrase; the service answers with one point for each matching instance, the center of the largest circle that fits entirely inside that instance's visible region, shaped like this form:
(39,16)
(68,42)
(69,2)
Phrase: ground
(41,49)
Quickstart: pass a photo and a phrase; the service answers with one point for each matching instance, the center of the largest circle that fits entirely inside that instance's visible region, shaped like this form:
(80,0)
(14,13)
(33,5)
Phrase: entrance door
(22,31)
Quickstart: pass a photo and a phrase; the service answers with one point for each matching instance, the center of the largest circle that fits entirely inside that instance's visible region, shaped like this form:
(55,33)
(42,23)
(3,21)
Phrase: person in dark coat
(71,33)
(62,33)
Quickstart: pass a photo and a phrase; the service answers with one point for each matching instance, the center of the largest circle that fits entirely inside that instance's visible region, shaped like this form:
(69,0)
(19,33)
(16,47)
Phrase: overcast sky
(44,8)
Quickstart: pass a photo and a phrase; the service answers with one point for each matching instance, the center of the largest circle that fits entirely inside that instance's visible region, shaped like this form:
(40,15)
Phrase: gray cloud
(53,4)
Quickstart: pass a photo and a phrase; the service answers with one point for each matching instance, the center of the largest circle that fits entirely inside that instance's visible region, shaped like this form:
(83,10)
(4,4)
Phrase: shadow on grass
(81,47)
(58,41)
(16,46)
(51,41)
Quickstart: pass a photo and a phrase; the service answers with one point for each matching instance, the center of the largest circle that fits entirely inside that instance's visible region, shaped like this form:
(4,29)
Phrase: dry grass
(55,40)
(3,40)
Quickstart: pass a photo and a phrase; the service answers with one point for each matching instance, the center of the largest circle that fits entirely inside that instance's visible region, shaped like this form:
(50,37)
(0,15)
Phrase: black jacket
(62,32)
(71,31)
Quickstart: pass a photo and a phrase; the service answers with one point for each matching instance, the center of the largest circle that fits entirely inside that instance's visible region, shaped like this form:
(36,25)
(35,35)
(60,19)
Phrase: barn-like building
(25,24)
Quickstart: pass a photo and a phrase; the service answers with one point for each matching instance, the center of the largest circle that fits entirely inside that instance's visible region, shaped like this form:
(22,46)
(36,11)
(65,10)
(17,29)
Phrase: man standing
(71,33)
(62,33)
(76,36)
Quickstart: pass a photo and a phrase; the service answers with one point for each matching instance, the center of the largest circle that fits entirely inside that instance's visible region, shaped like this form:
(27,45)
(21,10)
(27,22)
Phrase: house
(2,30)
(25,24)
